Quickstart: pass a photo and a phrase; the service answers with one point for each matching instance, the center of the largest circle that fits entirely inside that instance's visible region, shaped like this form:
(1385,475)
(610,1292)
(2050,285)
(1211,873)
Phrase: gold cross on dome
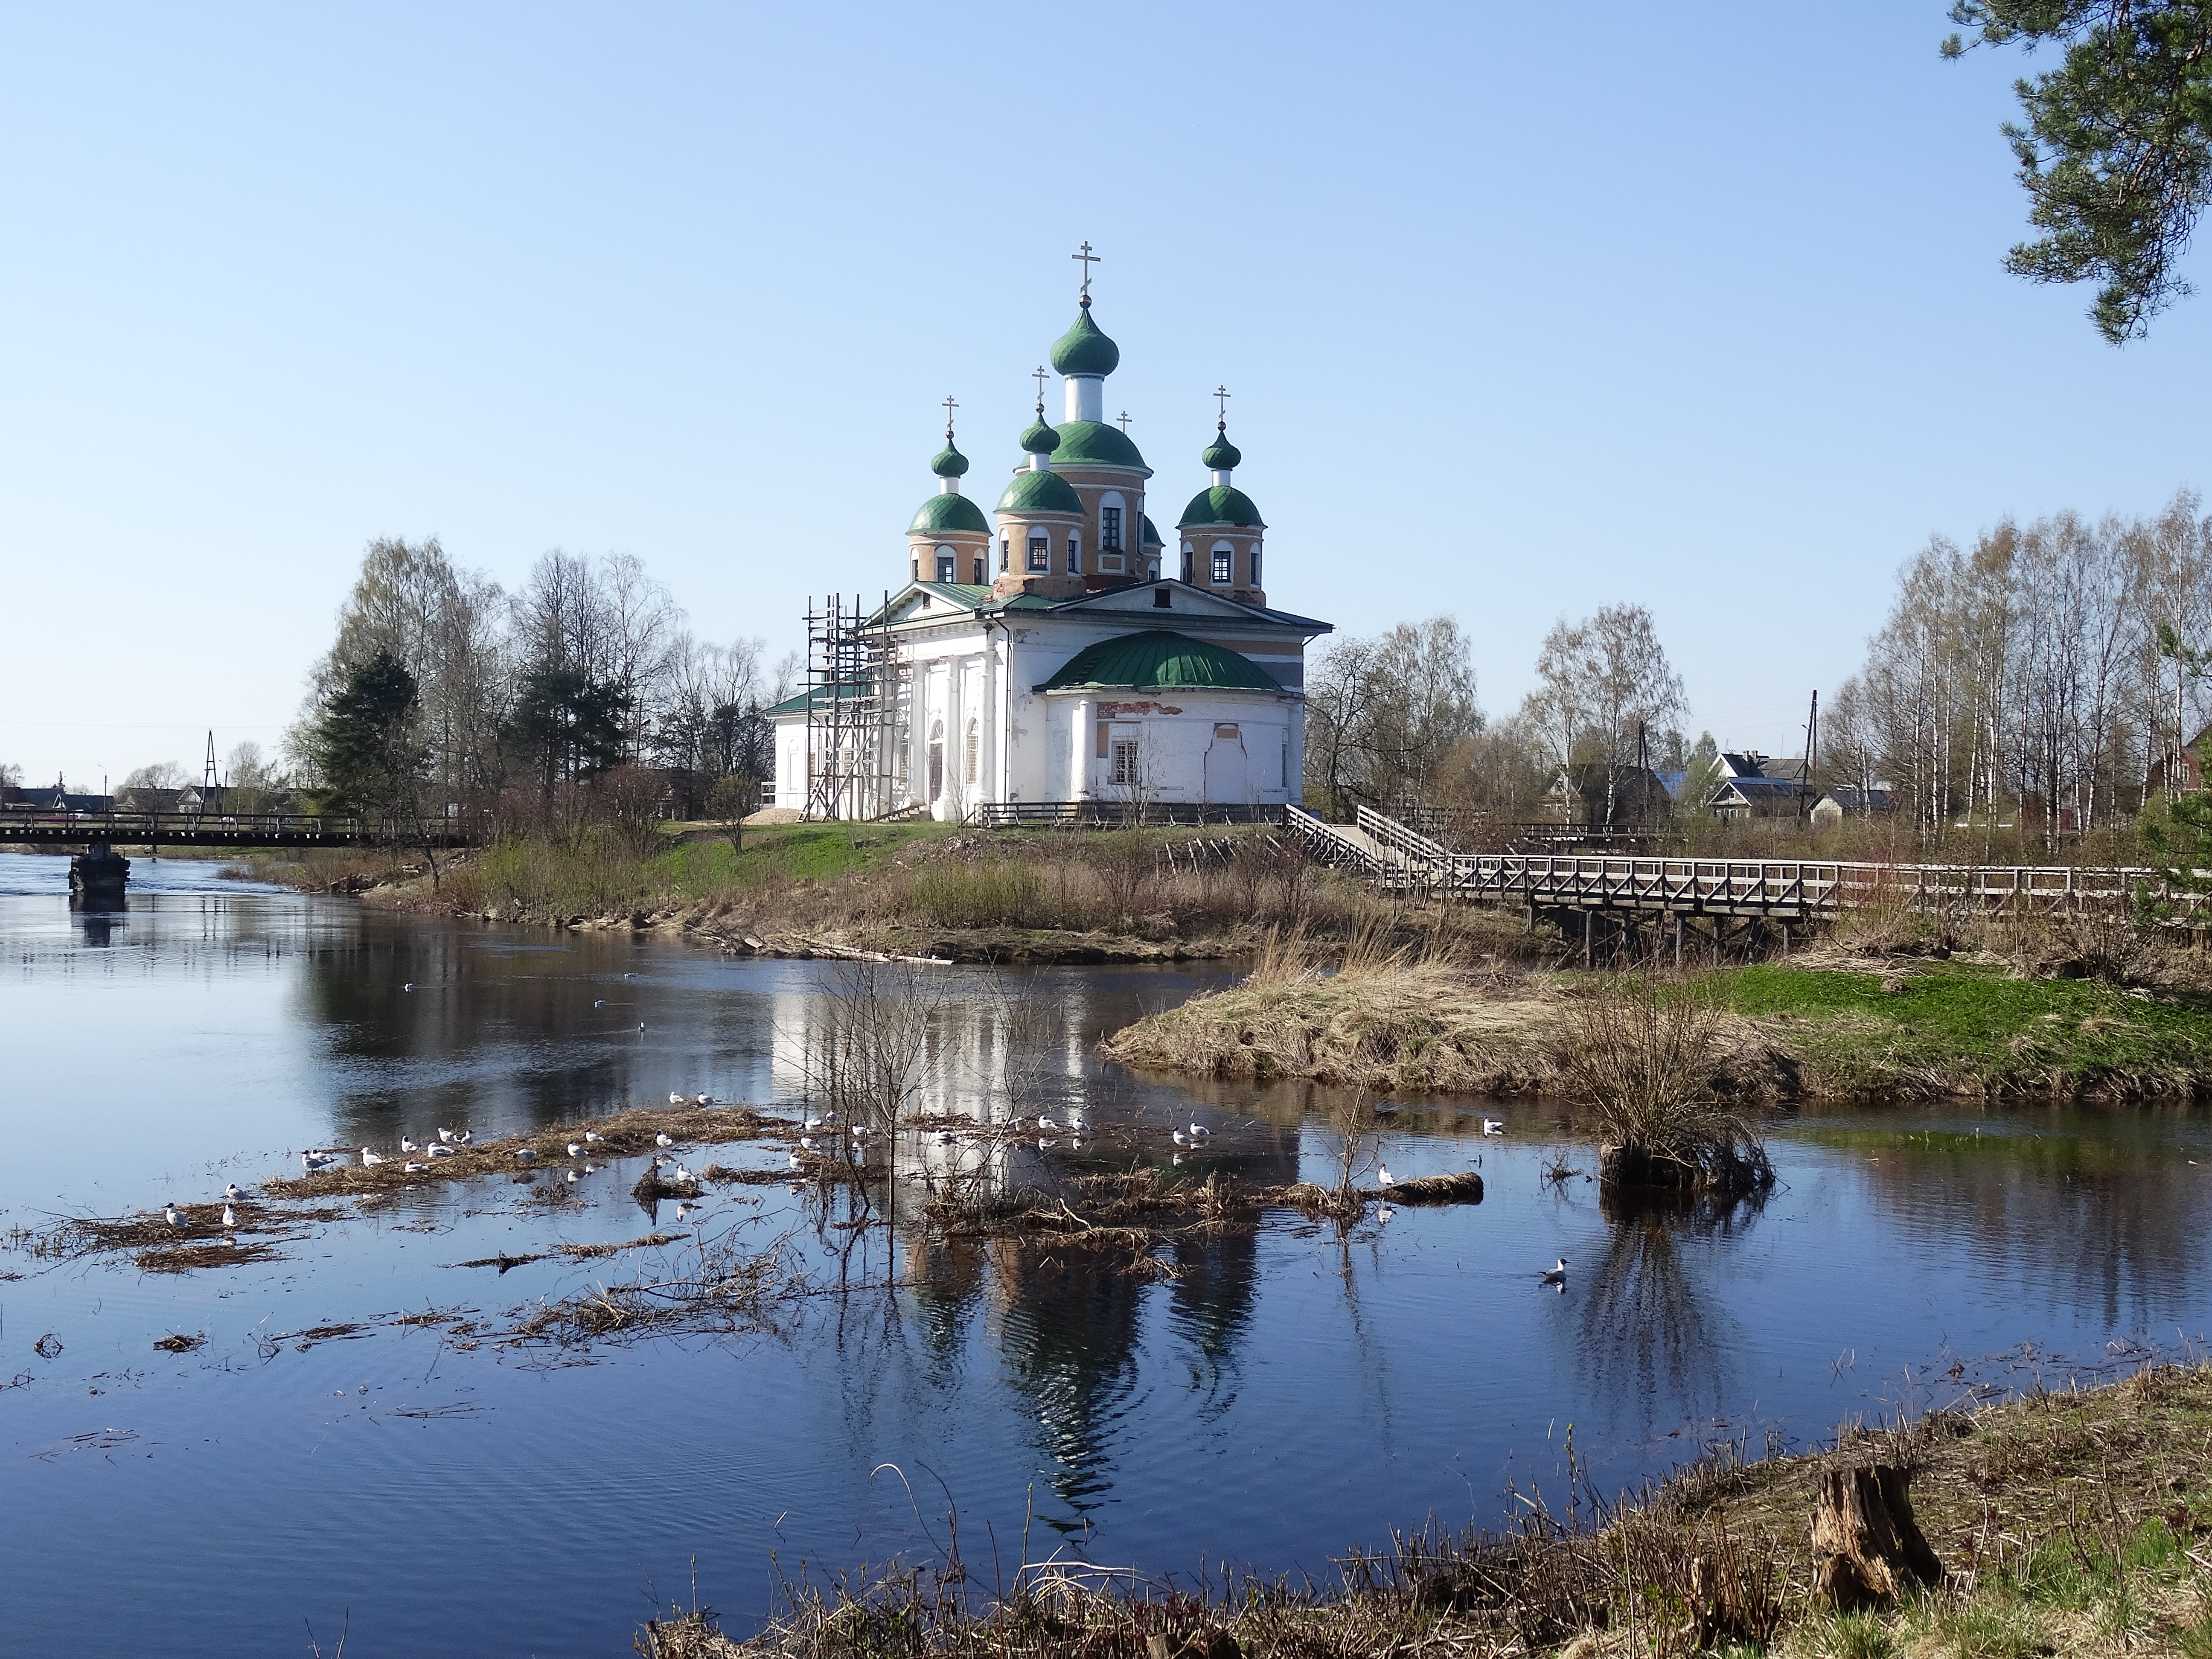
(1221,396)
(1040,374)
(949,407)
(1089,259)
(1124,418)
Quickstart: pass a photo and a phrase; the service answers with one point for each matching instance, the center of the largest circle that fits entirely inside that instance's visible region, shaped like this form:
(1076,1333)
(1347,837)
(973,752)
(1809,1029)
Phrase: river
(1293,1392)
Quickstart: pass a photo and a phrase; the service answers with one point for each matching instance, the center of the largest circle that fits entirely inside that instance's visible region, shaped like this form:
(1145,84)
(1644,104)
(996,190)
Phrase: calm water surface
(1294,1392)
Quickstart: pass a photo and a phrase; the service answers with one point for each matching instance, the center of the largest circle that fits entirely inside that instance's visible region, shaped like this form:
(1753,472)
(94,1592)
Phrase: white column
(987,763)
(956,736)
(1084,737)
(1295,782)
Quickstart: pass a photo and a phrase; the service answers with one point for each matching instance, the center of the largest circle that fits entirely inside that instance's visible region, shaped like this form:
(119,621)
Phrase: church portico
(1043,655)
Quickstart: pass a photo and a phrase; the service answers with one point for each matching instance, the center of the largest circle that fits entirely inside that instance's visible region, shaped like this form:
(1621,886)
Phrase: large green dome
(1222,504)
(948,512)
(1094,443)
(1159,659)
(1084,349)
(1041,492)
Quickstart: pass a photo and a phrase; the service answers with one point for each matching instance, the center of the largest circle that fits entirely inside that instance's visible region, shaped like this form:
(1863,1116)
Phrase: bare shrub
(1643,1053)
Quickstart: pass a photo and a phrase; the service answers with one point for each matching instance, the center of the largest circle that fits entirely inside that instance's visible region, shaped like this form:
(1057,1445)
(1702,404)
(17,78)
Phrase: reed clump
(1648,1058)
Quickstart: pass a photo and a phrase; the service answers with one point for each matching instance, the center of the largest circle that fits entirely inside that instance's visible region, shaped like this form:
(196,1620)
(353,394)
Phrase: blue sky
(1525,309)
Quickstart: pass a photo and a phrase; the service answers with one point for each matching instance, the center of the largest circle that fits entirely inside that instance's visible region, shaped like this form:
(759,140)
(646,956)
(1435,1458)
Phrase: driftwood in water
(1463,1187)
(1865,1539)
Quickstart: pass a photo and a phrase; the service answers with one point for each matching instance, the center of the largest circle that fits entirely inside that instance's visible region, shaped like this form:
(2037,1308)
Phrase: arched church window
(947,563)
(917,567)
(1074,557)
(1109,525)
(981,576)
(1040,550)
(1255,565)
(1224,557)
(1005,552)
(1186,573)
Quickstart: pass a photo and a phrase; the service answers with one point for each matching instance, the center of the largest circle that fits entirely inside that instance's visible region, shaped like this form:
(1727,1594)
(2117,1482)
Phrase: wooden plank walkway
(197,829)
(1783,889)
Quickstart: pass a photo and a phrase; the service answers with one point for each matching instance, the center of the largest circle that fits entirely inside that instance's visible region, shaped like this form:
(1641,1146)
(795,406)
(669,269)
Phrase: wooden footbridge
(1732,892)
(206,829)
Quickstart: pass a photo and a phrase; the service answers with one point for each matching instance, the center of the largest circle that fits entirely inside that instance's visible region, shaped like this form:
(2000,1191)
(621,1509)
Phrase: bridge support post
(1589,934)
(1678,938)
(1785,939)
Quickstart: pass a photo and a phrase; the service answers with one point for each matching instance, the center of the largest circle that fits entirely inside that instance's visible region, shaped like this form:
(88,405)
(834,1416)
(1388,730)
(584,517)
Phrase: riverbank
(1832,1025)
(2069,1522)
(921,890)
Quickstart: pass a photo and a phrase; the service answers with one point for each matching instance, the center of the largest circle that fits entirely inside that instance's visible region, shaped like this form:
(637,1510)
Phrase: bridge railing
(19,823)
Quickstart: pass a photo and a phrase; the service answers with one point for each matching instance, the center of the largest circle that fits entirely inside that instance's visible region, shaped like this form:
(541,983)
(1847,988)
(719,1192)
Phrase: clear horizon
(1705,311)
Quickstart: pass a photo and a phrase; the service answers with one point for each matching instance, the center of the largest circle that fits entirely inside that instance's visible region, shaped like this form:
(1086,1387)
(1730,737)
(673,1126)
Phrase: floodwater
(1294,1393)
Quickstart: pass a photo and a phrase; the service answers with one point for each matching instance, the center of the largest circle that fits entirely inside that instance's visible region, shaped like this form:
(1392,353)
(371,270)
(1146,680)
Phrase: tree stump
(1865,1540)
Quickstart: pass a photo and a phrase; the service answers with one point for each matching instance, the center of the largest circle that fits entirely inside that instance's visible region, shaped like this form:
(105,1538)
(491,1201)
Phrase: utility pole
(1812,753)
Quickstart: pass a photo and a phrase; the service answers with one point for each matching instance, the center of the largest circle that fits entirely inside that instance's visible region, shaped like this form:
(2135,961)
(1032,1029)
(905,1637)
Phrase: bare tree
(1604,689)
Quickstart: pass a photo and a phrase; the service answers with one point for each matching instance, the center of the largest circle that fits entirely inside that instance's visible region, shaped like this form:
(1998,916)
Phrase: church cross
(1040,374)
(949,407)
(1089,259)
(1221,396)
(1124,418)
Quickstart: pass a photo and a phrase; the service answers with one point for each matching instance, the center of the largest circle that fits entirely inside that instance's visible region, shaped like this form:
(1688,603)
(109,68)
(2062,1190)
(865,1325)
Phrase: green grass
(1971,1027)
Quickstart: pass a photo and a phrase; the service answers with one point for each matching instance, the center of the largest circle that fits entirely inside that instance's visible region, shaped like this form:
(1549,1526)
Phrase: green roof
(819,698)
(1038,439)
(950,462)
(1222,504)
(1220,455)
(1040,492)
(947,511)
(1151,536)
(1157,660)
(1094,443)
(1084,349)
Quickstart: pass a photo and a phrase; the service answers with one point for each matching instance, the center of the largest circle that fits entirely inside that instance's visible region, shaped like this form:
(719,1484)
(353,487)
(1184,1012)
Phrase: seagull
(1491,1126)
(663,1140)
(409,987)
(590,1168)
(1181,1138)
(601,1003)
(1044,1122)
(174,1216)
(807,1141)
(795,1164)
(1199,1130)
(368,1157)
(441,1152)
(445,1134)
(1077,1122)
(572,1174)
(407,1145)
(576,1149)
(465,1137)
(703,1100)
(675,1099)
(1044,1146)
(230,1192)
(1557,1275)
(412,1167)
(525,1153)
(1075,1146)
(1385,1213)
(594,1135)
(640,1025)
(813,1122)
(313,1161)
(683,1174)
(1383,1174)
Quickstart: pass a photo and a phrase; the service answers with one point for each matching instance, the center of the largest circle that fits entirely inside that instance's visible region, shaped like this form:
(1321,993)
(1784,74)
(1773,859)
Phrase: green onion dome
(950,462)
(941,513)
(1151,536)
(1224,504)
(1040,439)
(1040,492)
(1084,349)
(1220,455)
(1094,443)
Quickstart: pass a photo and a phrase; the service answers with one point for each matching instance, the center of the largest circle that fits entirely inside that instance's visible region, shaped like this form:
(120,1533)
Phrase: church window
(1187,575)
(980,575)
(917,567)
(1074,557)
(1040,550)
(1005,552)
(947,559)
(1223,554)
(1164,599)
(1124,761)
(1256,564)
(1109,529)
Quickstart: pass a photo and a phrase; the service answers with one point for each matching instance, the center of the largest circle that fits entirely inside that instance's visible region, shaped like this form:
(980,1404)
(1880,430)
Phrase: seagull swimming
(601,1003)
(409,987)
(1557,1275)
(1491,1126)
(368,1157)
(663,1140)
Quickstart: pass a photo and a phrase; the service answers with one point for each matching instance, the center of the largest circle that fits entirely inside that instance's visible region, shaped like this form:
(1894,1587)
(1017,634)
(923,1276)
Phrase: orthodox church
(1059,650)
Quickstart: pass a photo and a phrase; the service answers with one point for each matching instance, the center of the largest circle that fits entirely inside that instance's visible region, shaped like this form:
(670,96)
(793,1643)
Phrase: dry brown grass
(2065,1521)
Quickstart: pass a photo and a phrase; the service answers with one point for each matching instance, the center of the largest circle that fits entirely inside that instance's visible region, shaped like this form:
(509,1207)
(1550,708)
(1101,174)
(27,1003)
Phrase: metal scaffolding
(854,690)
